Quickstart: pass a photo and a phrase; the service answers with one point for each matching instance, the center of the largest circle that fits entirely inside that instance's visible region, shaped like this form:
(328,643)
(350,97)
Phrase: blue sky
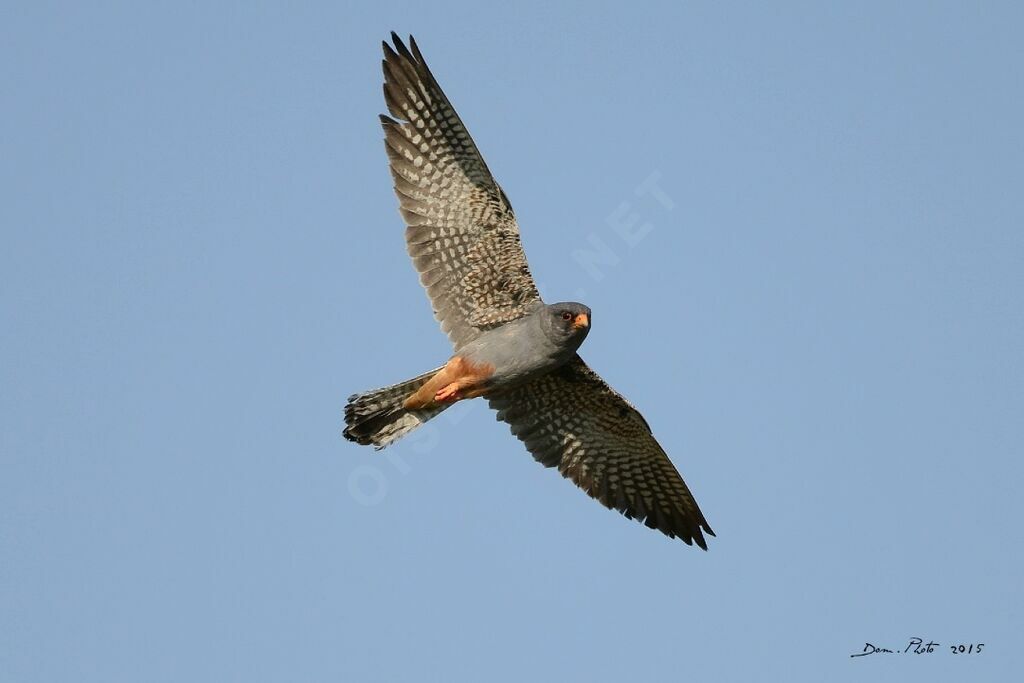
(823,322)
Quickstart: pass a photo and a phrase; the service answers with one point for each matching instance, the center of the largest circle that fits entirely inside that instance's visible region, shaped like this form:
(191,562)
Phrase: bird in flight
(510,348)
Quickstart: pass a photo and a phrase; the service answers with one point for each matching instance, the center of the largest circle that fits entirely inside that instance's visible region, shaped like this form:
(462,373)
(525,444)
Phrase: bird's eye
(567,316)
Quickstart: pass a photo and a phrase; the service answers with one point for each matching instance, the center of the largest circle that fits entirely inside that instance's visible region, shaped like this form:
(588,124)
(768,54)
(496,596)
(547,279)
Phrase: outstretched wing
(461,234)
(572,420)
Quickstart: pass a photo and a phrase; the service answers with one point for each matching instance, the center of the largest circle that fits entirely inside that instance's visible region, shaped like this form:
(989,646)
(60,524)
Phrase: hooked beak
(582,320)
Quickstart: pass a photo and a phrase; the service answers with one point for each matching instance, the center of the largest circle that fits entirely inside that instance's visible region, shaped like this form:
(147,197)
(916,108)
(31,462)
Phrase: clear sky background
(823,323)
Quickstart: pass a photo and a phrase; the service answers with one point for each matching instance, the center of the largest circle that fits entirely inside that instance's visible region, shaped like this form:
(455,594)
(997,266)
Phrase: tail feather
(378,418)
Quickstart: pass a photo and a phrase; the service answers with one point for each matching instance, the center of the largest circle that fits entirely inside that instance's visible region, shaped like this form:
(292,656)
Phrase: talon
(448,393)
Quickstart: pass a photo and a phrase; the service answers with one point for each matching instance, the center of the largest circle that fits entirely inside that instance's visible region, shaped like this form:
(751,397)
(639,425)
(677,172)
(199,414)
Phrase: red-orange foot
(448,393)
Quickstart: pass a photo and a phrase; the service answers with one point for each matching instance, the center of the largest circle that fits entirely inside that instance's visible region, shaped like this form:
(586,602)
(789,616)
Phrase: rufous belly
(457,380)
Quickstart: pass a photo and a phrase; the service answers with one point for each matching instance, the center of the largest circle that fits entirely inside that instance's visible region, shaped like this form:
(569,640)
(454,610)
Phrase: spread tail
(378,417)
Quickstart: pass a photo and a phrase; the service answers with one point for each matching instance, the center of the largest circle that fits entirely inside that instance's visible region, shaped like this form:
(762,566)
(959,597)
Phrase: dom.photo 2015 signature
(918,646)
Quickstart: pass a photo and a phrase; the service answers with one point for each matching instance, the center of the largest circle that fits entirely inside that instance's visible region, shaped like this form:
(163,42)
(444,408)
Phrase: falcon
(510,348)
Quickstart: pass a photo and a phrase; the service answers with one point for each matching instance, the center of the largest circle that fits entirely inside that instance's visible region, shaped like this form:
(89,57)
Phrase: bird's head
(567,323)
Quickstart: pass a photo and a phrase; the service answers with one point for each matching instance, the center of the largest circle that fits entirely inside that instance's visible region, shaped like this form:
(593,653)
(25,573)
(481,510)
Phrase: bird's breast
(516,352)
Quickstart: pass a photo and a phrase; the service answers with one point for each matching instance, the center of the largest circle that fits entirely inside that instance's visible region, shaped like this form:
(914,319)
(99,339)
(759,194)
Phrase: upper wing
(571,419)
(461,233)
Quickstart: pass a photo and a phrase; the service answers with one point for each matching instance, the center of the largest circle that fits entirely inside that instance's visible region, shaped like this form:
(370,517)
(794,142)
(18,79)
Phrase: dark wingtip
(400,46)
(702,525)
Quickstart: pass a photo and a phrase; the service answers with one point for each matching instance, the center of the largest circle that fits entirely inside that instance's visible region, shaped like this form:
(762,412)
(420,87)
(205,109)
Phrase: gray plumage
(510,347)
(534,344)
(571,419)
(462,235)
